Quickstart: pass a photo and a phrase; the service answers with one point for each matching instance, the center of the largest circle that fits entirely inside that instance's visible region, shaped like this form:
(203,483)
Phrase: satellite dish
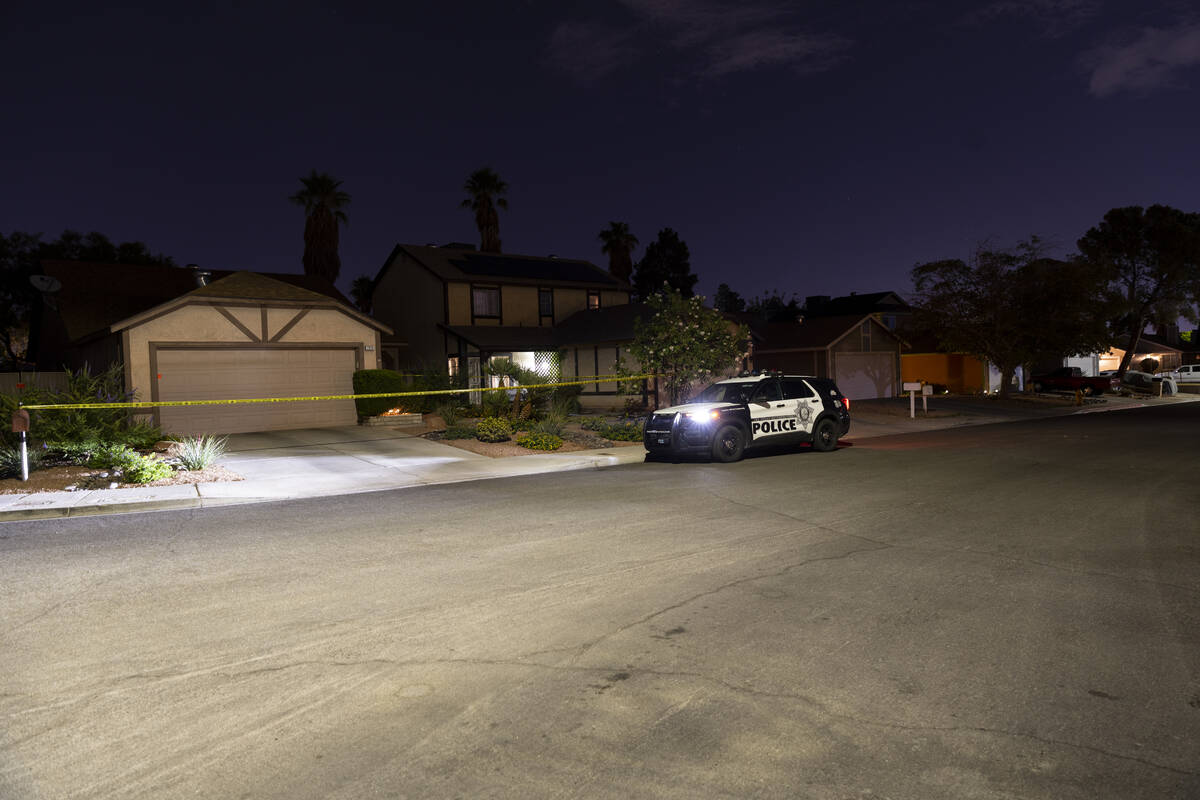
(45,283)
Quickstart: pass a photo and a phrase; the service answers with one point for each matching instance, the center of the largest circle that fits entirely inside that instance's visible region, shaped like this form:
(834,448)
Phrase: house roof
(607,324)
(870,303)
(94,296)
(813,333)
(504,338)
(464,264)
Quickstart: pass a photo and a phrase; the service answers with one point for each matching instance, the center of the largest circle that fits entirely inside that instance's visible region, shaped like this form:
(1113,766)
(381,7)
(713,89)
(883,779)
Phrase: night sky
(810,147)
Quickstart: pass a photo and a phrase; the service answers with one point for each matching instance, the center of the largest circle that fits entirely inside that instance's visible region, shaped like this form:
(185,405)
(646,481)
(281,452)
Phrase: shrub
(459,432)
(565,400)
(73,425)
(376,381)
(623,432)
(113,456)
(140,435)
(199,452)
(493,429)
(495,403)
(448,412)
(75,453)
(145,469)
(10,460)
(552,424)
(593,423)
(540,441)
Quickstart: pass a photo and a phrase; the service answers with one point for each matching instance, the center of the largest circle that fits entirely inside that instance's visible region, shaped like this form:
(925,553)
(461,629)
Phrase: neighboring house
(453,308)
(888,308)
(923,361)
(1166,349)
(857,351)
(182,337)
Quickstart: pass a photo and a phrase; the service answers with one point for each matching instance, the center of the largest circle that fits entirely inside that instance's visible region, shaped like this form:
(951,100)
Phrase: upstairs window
(866,335)
(485,301)
(546,302)
(593,300)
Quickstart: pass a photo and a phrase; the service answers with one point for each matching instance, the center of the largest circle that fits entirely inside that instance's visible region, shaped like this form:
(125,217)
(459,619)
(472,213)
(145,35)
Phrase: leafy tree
(362,291)
(727,299)
(684,342)
(20,257)
(323,202)
(618,246)
(667,261)
(1011,307)
(774,308)
(485,188)
(1151,261)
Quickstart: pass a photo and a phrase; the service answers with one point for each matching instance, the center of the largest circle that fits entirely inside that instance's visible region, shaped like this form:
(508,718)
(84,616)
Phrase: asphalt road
(994,612)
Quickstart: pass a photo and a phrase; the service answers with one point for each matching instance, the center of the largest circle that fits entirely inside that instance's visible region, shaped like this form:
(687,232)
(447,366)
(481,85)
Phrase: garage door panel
(238,373)
(862,376)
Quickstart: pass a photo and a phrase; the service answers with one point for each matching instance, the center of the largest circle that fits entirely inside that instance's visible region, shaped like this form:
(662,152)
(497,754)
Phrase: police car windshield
(722,393)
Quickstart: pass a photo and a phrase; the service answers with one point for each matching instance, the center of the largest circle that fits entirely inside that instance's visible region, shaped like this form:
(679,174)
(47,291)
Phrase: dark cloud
(1155,58)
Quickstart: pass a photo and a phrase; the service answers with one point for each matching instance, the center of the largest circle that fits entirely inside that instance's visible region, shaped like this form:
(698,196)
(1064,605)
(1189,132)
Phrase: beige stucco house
(243,335)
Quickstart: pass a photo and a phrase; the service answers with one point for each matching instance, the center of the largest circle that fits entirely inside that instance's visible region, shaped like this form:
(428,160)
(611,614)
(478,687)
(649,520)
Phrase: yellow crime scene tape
(173,403)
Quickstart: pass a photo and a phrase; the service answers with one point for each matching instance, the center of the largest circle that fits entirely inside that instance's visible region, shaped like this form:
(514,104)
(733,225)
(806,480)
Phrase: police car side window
(796,390)
(765,392)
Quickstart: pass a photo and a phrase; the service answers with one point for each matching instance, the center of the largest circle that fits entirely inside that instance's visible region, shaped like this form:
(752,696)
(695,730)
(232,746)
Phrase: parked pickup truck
(1070,379)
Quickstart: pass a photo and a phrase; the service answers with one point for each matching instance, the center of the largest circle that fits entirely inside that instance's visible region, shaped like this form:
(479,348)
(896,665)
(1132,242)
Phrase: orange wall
(961,374)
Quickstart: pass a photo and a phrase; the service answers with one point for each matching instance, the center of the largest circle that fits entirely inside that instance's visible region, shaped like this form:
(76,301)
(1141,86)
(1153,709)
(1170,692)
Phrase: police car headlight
(702,417)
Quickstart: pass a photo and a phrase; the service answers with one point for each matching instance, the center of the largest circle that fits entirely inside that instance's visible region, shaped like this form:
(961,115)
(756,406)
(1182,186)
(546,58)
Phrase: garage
(248,336)
(857,351)
(866,375)
(237,372)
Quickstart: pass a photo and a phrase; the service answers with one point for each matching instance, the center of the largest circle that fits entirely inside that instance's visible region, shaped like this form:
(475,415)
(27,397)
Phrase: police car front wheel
(729,444)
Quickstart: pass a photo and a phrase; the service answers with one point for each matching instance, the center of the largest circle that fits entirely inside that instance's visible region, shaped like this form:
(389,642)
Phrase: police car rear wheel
(729,444)
(825,436)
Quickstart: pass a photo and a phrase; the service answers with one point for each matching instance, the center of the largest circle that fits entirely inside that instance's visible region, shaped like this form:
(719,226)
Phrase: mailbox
(20,421)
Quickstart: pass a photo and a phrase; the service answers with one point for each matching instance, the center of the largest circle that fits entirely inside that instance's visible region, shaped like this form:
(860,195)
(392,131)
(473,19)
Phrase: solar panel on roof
(533,268)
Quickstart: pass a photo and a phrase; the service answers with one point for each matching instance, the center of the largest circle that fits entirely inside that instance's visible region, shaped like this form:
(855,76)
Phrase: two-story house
(455,308)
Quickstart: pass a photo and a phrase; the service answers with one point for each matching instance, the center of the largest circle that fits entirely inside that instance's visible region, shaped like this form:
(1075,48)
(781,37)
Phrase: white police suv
(750,411)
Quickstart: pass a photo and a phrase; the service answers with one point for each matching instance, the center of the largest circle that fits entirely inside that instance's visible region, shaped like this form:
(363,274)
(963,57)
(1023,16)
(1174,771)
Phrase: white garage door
(862,376)
(230,373)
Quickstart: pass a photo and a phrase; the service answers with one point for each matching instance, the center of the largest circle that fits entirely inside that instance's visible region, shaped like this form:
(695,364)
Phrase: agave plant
(199,452)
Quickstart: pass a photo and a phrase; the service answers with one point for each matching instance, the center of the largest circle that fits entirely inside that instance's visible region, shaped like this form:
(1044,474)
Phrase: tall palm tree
(485,188)
(362,291)
(618,245)
(323,202)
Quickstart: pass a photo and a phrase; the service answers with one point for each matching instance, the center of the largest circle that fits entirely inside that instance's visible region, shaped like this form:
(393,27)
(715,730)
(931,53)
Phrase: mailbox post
(912,387)
(20,424)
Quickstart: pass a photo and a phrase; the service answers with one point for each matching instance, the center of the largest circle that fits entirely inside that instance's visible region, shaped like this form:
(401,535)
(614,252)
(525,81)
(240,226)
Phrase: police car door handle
(779,405)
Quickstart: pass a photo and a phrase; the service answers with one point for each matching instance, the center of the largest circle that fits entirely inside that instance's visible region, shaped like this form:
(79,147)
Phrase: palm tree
(362,290)
(618,245)
(485,189)
(323,202)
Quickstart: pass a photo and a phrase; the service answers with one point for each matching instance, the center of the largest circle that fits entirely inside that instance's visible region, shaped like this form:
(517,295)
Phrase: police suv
(751,411)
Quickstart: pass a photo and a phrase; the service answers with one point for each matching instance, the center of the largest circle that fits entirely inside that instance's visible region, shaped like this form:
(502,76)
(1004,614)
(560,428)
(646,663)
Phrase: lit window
(485,302)
(593,300)
(452,366)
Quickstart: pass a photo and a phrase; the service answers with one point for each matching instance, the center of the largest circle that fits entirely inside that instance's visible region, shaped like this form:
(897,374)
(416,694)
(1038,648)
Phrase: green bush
(10,460)
(495,403)
(113,456)
(140,435)
(199,452)
(75,453)
(145,469)
(459,432)
(493,429)
(449,412)
(623,432)
(593,423)
(375,381)
(552,424)
(540,441)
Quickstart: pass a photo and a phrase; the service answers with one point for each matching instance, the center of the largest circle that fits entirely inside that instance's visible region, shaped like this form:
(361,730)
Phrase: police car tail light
(846,401)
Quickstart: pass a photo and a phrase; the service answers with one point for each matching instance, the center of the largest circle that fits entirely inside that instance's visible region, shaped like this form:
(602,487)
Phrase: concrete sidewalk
(284,465)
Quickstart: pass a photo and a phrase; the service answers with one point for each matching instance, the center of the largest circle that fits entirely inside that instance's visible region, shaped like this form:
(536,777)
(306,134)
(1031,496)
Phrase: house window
(452,366)
(593,300)
(485,301)
(866,335)
(546,302)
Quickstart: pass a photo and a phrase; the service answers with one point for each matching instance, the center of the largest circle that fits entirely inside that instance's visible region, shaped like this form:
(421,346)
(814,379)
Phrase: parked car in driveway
(1189,373)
